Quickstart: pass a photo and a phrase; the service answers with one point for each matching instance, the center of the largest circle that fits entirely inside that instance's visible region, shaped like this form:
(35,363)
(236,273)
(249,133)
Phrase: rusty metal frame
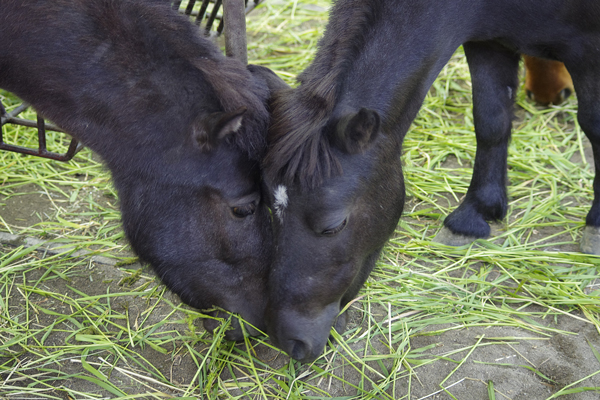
(214,15)
(42,127)
(234,14)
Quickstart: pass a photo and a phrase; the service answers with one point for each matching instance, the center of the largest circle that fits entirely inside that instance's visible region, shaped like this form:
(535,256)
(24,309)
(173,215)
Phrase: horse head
(181,127)
(337,193)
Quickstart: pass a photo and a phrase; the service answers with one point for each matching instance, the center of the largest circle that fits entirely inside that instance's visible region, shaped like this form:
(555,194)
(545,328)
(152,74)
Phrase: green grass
(71,328)
(82,204)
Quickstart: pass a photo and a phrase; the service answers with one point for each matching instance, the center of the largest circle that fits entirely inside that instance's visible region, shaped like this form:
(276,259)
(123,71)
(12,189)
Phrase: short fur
(180,126)
(345,196)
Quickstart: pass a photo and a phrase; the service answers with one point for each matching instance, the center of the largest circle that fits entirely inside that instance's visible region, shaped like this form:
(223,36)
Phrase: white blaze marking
(281,200)
(509,92)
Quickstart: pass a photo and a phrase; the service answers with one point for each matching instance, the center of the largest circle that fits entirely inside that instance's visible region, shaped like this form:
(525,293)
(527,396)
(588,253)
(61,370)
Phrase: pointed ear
(228,123)
(209,129)
(354,133)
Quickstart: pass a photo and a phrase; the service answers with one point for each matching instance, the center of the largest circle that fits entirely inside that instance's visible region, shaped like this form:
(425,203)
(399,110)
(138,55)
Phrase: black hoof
(590,241)
(447,237)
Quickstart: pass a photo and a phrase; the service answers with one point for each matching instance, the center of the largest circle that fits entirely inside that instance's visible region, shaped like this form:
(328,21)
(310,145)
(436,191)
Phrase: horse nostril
(299,349)
(565,93)
(530,95)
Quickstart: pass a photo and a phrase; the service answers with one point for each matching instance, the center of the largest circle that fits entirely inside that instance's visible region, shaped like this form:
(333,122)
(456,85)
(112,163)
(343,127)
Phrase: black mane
(236,88)
(233,84)
(140,37)
(299,150)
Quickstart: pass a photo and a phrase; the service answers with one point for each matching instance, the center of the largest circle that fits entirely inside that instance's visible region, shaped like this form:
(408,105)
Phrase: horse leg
(587,85)
(494,75)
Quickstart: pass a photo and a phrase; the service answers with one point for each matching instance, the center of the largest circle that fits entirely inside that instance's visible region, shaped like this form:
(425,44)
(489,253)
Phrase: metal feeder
(232,21)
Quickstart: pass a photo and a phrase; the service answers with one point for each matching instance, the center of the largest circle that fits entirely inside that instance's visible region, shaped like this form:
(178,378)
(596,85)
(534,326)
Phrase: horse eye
(244,211)
(336,230)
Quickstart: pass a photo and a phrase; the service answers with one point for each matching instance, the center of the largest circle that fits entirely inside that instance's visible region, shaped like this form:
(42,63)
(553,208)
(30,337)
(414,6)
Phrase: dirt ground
(523,364)
(505,355)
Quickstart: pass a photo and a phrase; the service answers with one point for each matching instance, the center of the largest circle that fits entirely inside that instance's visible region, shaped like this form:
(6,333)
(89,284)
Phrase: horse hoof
(590,241)
(447,237)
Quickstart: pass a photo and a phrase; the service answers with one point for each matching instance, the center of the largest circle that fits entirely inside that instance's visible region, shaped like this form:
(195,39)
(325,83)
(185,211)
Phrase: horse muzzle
(301,335)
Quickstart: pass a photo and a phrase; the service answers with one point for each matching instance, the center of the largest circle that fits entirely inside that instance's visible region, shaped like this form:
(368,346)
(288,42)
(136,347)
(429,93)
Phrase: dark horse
(333,168)
(180,126)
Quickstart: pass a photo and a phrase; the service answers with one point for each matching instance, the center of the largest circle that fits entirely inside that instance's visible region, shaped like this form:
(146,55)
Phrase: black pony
(333,168)
(180,126)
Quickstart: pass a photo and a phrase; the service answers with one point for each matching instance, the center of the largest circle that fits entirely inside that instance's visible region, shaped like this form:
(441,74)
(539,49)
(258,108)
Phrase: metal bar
(251,5)
(212,17)
(8,117)
(220,27)
(202,12)
(11,118)
(234,16)
(30,124)
(41,134)
(42,127)
(190,5)
(74,148)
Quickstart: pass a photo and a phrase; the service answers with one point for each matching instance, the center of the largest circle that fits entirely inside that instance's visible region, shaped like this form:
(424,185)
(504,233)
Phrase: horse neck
(385,57)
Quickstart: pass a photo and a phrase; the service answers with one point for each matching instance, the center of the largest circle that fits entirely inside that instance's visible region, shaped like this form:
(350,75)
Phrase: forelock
(236,88)
(232,83)
(299,151)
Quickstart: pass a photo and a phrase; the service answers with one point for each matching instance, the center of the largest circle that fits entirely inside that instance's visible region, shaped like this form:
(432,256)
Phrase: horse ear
(274,82)
(355,132)
(212,128)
